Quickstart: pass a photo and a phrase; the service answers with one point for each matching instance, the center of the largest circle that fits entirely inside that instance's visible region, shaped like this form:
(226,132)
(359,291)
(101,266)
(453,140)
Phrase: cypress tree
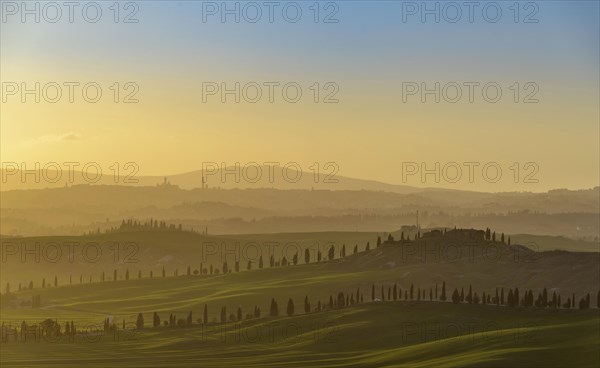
(443,296)
(455,297)
(274,310)
(331,254)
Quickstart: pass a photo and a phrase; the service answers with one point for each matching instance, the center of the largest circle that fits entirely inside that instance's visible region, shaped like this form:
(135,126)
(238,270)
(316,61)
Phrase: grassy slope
(392,263)
(368,335)
(362,336)
(155,250)
(178,250)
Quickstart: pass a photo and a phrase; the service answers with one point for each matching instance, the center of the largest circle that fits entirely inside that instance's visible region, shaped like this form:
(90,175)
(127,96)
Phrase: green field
(392,333)
(399,334)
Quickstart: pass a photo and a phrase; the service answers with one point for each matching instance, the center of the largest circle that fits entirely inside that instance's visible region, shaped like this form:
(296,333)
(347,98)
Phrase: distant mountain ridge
(274,177)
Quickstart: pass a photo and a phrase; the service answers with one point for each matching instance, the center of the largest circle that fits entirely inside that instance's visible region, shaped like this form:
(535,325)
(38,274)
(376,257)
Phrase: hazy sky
(374,52)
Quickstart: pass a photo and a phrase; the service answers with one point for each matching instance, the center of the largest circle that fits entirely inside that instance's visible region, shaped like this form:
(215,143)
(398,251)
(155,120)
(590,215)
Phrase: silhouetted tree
(274,310)
(223,315)
(256,312)
(155,320)
(510,298)
(139,324)
(306,256)
(544,298)
(455,297)
(205,313)
(331,252)
(587,301)
(469,297)
(290,307)
(443,296)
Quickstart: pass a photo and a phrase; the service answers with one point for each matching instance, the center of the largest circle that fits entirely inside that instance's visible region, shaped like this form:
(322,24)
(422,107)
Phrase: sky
(364,69)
